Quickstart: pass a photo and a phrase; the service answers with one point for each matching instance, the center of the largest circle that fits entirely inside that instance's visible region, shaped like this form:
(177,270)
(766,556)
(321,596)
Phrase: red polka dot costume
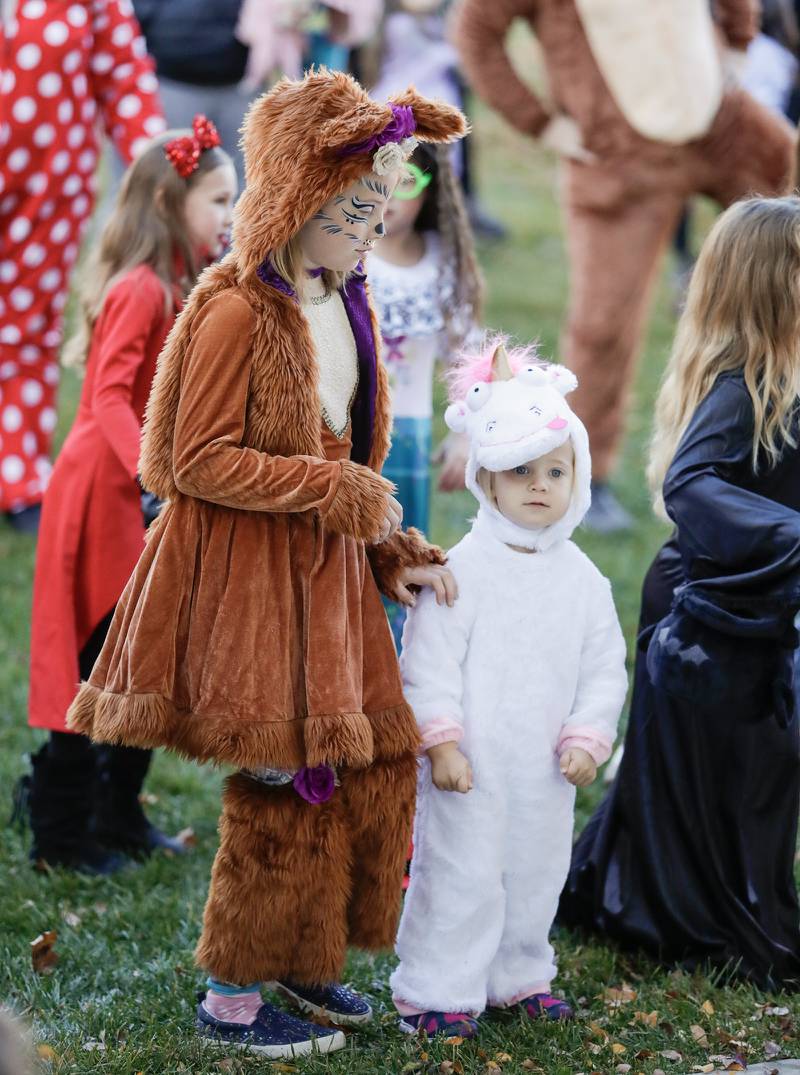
(67,70)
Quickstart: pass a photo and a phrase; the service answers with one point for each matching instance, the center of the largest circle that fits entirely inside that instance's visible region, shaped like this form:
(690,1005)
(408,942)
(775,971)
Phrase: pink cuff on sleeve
(440,730)
(585,738)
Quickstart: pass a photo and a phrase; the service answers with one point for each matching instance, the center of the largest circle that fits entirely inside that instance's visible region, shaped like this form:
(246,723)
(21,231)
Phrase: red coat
(91,532)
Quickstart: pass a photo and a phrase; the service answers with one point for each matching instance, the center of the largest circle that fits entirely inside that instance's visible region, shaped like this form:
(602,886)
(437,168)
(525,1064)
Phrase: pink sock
(241,1008)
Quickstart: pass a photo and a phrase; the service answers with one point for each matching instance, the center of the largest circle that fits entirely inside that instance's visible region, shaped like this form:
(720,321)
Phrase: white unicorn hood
(510,418)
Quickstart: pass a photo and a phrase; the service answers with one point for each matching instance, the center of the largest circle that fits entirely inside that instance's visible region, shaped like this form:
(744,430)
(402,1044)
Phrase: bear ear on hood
(360,123)
(436,121)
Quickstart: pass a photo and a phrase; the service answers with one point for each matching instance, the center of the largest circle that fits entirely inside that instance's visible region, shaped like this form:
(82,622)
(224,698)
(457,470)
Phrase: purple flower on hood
(315,785)
(402,125)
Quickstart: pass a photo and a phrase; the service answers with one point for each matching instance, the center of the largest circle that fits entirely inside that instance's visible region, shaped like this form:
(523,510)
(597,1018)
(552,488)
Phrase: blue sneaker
(273,1034)
(333,1002)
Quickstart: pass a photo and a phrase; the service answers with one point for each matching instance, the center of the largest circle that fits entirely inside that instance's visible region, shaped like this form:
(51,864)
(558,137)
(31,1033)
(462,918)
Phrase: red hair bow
(184,153)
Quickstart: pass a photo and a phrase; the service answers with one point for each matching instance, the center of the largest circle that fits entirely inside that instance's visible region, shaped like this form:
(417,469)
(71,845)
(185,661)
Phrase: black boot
(59,806)
(119,821)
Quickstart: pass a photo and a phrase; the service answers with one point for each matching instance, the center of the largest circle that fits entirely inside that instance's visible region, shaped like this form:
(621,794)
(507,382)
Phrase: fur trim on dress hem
(151,720)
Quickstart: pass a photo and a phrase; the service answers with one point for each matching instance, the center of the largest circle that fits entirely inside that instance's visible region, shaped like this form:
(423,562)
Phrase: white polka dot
(47,420)
(55,33)
(60,300)
(122,34)
(71,62)
(100,23)
(34,9)
(46,210)
(10,334)
(36,183)
(12,418)
(65,111)
(5,131)
(154,125)
(87,160)
(59,231)
(76,135)
(8,81)
(80,85)
(89,109)
(139,145)
(35,324)
(49,84)
(70,253)
(33,255)
(20,229)
(76,15)
(73,184)
(12,468)
(2,183)
(29,56)
(44,135)
(43,467)
(125,70)
(21,298)
(102,62)
(8,272)
(147,83)
(60,162)
(138,48)
(31,393)
(29,443)
(8,204)
(18,159)
(2,311)
(7,369)
(80,205)
(51,373)
(24,109)
(129,105)
(52,338)
(50,280)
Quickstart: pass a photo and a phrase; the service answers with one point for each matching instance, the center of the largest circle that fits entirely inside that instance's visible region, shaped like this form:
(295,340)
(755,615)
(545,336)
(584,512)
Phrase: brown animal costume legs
(620,214)
(294,883)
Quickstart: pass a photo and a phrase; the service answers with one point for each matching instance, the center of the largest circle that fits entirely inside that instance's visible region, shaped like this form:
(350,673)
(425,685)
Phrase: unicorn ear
(455,417)
(501,367)
(533,375)
(562,379)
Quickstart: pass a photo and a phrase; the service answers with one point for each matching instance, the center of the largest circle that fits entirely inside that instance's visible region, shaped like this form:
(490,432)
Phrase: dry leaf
(658,1071)
(492,1068)
(71,919)
(43,956)
(424,1057)
(503,1058)
(187,837)
(446,1067)
(101,908)
(648,1018)
(225,1065)
(46,1052)
(458,1068)
(771,1050)
(528,1065)
(737,1064)
(617,1048)
(283,1067)
(594,1048)
(623,1069)
(699,1036)
(670,1054)
(644,1054)
(776,1011)
(455,1041)
(598,1031)
(616,995)
(94,1046)
(707,1007)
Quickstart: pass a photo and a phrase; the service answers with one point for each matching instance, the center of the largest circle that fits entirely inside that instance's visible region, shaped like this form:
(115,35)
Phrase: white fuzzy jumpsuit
(528,662)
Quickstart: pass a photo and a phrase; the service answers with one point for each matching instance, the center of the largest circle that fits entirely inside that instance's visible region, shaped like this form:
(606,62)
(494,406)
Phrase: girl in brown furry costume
(251,631)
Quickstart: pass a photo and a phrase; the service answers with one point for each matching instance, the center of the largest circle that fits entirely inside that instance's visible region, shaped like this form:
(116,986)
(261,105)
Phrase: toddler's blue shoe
(446,1024)
(334,1002)
(273,1034)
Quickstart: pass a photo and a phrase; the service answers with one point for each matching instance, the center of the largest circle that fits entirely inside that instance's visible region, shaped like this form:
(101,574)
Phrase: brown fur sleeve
(738,20)
(405,548)
(480,31)
(359,504)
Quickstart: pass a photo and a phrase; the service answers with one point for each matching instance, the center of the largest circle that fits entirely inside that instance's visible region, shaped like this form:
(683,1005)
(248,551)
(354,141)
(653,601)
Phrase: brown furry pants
(294,884)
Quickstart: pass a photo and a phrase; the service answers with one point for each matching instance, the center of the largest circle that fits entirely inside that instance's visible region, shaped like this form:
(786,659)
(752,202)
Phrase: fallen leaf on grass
(455,1041)
(283,1067)
(225,1065)
(94,1046)
(100,908)
(623,1069)
(707,1007)
(670,1054)
(46,1052)
(598,1031)
(492,1068)
(503,1058)
(528,1065)
(71,919)
(594,1048)
(614,996)
(771,1050)
(446,1067)
(776,1011)
(648,1018)
(617,1048)
(705,1068)
(43,955)
(699,1036)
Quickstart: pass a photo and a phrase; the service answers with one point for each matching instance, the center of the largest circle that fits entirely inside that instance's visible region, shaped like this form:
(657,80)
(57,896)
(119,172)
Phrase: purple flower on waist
(315,785)
(402,125)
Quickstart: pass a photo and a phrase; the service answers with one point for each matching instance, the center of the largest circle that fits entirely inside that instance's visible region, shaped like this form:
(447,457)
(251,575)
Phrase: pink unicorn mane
(476,364)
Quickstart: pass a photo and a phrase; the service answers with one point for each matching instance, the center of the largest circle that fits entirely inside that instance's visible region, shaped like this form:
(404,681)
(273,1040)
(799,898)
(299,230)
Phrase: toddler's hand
(439,578)
(578,767)
(392,519)
(450,770)
(563,135)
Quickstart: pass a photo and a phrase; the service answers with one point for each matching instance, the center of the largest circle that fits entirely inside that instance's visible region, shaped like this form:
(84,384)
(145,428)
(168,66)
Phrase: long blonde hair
(742,313)
(146,227)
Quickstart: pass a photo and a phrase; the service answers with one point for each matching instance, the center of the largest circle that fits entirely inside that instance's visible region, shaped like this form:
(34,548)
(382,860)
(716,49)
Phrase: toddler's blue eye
(522,470)
(556,473)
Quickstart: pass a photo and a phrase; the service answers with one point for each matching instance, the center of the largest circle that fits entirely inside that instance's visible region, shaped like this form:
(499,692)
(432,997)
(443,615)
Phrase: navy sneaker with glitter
(273,1034)
(340,1005)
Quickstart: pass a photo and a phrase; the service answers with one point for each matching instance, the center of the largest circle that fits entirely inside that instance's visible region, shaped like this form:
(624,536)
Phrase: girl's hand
(440,579)
(578,767)
(392,519)
(450,770)
(452,454)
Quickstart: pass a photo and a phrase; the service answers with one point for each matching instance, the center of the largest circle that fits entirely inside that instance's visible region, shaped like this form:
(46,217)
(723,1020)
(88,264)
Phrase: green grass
(122,996)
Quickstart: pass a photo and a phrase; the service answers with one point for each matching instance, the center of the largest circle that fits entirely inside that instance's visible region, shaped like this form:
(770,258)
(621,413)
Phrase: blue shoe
(273,1034)
(447,1024)
(333,1002)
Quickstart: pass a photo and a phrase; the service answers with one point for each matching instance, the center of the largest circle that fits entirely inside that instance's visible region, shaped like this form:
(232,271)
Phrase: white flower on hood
(514,418)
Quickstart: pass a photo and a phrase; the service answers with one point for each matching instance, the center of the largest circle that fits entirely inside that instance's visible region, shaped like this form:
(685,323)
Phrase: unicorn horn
(501,367)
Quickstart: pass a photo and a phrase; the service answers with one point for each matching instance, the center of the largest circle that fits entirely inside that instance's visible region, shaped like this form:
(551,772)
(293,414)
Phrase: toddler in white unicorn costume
(517,689)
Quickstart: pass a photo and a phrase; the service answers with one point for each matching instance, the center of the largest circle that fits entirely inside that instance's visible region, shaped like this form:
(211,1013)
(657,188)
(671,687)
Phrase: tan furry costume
(252,630)
(704,137)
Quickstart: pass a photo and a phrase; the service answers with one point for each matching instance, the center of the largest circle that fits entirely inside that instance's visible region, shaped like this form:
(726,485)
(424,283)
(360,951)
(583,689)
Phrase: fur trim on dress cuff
(405,548)
(359,506)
